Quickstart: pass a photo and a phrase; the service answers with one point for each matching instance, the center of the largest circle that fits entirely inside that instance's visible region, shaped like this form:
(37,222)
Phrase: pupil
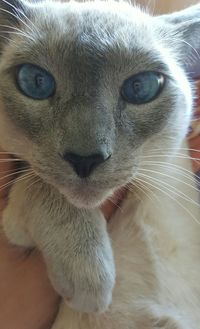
(137,86)
(39,80)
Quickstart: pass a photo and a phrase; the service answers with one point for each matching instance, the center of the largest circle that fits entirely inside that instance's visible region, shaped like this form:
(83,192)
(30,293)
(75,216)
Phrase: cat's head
(88,90)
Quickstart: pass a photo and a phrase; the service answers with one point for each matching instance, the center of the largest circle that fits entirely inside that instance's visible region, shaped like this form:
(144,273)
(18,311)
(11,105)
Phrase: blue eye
(143,87)
(35,82)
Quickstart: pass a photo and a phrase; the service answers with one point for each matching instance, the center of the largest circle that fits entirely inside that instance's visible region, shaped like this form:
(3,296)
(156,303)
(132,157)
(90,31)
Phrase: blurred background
(164,6)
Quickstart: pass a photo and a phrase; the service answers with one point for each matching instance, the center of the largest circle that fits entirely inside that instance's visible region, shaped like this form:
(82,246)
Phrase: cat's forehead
(96,14)
(91,33)
(98,39)
(96,26)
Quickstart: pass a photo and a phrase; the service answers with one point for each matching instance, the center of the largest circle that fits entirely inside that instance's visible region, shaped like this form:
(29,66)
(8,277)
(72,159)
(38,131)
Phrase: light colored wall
(178,4)
(163,6)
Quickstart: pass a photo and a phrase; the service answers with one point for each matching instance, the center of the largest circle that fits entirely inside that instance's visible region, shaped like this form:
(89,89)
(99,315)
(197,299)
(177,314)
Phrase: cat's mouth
(86,196)
(82,193)
(107,200)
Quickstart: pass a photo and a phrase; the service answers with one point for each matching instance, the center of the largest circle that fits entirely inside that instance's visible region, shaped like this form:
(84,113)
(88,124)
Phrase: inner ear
(183,28)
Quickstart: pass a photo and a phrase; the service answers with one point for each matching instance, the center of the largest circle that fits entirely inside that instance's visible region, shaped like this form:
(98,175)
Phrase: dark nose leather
(84,165)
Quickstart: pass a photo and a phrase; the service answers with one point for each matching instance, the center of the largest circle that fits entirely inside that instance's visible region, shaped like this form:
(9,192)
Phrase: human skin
(27,299)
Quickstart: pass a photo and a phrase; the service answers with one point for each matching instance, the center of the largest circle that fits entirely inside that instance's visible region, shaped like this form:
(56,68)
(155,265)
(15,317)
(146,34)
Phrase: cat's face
(84,106)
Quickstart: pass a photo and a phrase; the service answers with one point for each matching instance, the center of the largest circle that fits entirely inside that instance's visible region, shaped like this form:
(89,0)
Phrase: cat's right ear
(182,31)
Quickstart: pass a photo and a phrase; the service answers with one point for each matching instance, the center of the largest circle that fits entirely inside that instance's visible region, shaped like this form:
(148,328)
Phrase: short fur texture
(91,48)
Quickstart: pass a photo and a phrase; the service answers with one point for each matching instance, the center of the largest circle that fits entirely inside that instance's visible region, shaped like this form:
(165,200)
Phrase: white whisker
(12,170)
(183,171)
(17,17)
(172,189)
(195,50)
(169,176)
(171,149)
(4,186)
(18,34)
(37,179)
(177,155)
(11,160)
(115,204)
(10,40)
(18,14)
(167,194)
(146,191)
(16,172)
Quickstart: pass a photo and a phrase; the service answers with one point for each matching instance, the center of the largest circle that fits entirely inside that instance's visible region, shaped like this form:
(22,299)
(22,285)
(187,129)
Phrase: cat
(94,97)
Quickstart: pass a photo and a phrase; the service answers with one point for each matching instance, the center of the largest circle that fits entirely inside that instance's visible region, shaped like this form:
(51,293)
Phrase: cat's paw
(91,301)
(15,230)
(86,285)
(89,289)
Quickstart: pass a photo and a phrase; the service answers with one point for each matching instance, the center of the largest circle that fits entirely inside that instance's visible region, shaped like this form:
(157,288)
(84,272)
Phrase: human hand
(27,299)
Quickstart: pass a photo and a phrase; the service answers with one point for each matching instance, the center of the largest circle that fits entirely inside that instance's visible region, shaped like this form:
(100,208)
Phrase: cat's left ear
(183,28)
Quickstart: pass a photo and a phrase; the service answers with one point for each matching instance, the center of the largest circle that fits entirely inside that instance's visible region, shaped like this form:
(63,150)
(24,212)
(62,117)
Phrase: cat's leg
(79,258)
(74,243)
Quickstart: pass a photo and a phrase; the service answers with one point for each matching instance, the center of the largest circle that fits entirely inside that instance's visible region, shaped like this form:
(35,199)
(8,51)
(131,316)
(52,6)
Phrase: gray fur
(90,49)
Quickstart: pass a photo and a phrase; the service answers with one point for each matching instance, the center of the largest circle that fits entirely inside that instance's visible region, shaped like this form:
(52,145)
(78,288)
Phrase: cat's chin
(80,194)
(87,198)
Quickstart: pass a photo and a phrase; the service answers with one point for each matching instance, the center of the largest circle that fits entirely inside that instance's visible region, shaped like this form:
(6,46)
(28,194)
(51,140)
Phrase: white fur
(156,234)
(157,253)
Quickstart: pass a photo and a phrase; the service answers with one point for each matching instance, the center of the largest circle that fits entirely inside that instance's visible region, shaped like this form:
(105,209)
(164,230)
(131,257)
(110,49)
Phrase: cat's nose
(84,165)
